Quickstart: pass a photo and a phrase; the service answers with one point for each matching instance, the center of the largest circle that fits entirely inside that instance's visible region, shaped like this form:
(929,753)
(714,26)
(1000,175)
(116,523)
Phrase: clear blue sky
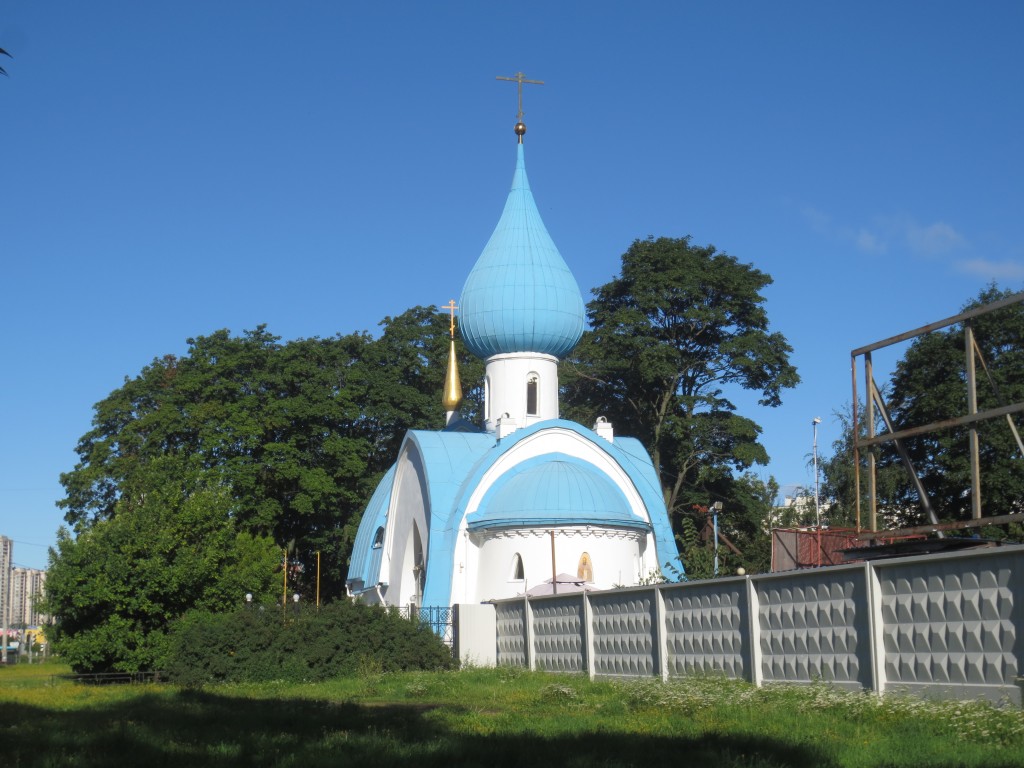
(169,169)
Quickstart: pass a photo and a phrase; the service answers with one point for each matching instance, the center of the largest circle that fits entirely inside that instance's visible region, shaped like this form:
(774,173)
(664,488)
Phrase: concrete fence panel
(558,638)
(625,638)
(707,628)
(953,622)
(510,619)
(948,625)
(815,625)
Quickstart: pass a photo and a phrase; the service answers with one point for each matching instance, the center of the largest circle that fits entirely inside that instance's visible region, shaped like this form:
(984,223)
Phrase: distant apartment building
(20,590)
(6,563)
(26,589)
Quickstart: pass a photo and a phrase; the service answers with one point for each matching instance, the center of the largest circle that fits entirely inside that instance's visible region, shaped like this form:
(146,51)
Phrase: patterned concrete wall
(815,625)
(511,628)
(707,629)
(558,634)
(954,623)
(946,625)
(624,636)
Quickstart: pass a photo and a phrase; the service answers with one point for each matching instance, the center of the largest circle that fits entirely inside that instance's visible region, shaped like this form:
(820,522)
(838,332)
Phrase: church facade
(527,501)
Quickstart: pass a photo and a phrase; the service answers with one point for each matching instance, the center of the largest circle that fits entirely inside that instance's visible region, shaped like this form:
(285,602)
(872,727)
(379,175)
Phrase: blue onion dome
(520,295)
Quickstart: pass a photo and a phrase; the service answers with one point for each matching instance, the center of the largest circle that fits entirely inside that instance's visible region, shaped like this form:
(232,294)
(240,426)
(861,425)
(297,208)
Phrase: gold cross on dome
(519,79)
(450,306)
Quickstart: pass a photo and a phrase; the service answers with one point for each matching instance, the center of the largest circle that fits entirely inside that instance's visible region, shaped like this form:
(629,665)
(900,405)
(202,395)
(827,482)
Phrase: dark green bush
(255,644)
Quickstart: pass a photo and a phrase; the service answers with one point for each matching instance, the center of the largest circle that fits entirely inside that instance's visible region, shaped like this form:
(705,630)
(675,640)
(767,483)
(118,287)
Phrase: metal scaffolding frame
(874,400)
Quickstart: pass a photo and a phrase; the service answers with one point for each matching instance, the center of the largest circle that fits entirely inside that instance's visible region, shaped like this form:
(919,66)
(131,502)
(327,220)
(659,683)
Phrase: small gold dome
(520,128)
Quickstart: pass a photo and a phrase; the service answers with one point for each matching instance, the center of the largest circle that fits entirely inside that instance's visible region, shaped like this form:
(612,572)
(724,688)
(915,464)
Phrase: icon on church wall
(585,570)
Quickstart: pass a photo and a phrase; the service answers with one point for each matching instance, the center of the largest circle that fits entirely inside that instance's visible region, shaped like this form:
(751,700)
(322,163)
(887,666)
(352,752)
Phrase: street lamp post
(817,506)
(716,507)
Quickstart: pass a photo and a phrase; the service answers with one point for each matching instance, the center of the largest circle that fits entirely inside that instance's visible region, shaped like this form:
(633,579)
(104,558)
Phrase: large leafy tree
(117,586)
(198,465)
(672,336)
(929,386)
(276,424)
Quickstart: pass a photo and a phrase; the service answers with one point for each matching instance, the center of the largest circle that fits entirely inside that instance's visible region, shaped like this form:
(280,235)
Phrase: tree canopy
(672,336)
(238,450)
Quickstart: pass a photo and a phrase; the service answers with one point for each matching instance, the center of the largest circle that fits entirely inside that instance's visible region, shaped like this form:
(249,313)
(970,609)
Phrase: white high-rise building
(6,562)
(20,590)
(27,586)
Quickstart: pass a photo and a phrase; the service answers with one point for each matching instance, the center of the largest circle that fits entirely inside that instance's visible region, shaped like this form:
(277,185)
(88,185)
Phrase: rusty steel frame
(874,400)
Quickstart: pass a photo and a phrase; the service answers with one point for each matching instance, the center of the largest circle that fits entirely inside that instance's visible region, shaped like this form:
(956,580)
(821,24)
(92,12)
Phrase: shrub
(259,644)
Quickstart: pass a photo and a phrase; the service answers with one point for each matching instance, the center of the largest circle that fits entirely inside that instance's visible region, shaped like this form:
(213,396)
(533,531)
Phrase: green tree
(277,425)
(279,444)
(680,328)
(115,587)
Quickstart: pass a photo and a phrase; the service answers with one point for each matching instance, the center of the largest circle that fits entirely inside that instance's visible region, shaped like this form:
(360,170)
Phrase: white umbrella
(564,582)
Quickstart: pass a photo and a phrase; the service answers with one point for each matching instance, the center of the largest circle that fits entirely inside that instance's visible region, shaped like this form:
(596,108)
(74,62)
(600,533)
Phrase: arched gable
(430,469)
(408,518)
(624,468)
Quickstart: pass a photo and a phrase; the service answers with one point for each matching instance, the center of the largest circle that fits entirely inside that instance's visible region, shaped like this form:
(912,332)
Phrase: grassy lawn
(489,718)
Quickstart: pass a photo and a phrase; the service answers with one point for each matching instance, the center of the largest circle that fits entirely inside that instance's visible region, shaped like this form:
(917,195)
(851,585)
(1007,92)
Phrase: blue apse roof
(554,489)
(520,295)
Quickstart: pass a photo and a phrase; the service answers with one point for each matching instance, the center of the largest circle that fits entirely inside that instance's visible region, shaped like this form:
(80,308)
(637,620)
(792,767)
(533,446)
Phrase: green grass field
(491,718)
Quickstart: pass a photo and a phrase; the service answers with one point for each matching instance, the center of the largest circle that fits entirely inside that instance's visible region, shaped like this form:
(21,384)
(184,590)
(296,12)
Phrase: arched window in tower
(531,395)
(487,398)
(516,573)
(585,570)
(378,538)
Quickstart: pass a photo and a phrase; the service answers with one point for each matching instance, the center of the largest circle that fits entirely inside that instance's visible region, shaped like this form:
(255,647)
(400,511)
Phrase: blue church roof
(554,489)
(366,557)
(520,295)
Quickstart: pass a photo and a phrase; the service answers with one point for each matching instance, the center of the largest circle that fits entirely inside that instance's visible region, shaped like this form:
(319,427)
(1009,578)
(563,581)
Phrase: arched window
(531,395)
(585,570)
(378,539)
(516,573)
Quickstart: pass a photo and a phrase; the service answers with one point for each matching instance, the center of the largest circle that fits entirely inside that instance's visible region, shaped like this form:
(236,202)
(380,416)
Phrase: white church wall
(615,558)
